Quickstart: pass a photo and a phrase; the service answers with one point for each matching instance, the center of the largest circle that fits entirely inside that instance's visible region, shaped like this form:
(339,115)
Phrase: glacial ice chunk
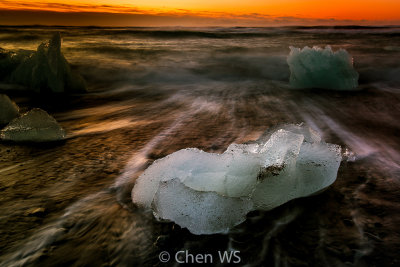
(45,70)
(210,193)
(34,126)
(321,68)
(8,110)
(9,61)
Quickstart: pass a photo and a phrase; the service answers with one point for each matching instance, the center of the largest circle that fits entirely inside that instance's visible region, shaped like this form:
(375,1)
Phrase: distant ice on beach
(321,68)
(8,110)
(44,71)
(210,193)
(34,126)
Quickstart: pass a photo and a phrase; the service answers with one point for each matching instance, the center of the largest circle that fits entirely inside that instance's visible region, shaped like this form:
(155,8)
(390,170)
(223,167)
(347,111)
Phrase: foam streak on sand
(363,146)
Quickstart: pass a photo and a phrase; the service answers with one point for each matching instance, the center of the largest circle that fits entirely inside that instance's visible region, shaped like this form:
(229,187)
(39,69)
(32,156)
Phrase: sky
(200,12)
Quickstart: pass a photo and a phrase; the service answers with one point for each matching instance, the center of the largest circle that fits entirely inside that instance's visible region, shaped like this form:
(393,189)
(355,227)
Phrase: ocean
(153,91)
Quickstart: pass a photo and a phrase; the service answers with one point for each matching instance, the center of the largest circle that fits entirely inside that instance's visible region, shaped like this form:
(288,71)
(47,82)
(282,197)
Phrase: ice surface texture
(210,193)
(33,126)
(321,68)
(8,110)
(45,70)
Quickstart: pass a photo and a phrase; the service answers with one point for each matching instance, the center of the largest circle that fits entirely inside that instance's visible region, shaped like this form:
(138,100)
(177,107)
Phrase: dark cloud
(181,18)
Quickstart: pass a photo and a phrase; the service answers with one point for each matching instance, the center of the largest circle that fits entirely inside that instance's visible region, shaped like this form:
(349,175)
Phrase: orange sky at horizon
(258,11)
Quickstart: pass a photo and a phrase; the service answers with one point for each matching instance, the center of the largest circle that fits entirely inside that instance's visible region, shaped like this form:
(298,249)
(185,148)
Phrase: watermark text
(184,256)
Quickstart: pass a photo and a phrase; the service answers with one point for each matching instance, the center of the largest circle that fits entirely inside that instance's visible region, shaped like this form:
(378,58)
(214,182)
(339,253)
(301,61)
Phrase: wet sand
(69,203)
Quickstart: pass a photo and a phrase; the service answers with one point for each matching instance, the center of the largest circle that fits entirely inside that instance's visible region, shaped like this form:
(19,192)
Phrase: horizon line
(214,26)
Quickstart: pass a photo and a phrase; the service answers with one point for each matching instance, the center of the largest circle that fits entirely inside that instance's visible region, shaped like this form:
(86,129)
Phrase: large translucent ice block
(209,193)
(321,68)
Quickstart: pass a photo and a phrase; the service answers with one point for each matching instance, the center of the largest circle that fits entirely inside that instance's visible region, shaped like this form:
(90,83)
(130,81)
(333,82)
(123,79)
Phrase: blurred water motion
(153,91)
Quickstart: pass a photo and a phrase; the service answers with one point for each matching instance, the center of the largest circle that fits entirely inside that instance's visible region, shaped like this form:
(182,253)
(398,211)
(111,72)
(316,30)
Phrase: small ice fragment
(8,110)
(282,148)
(34,126)
(349,155)
(310,135)
(243,148)
(321,68)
